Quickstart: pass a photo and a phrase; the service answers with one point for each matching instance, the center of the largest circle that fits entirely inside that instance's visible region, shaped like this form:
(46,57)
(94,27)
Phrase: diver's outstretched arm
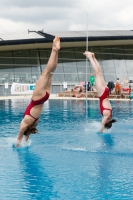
(23,128)
(104,121)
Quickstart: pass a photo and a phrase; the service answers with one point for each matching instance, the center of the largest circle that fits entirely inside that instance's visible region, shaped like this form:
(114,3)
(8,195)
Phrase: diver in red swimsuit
(103,93)
(40,95)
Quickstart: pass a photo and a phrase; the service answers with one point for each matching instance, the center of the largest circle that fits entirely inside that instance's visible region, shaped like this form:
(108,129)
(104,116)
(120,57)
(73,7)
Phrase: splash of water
(11,142)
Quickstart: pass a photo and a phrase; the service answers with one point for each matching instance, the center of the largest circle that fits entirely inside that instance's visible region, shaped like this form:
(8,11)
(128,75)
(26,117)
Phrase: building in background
(24,56)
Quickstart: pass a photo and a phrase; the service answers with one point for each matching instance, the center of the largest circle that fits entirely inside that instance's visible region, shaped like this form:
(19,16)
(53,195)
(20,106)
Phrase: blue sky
(17,16)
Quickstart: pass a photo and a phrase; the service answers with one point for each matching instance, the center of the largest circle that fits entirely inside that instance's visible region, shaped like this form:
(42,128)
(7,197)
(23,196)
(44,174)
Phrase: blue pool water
(68,159)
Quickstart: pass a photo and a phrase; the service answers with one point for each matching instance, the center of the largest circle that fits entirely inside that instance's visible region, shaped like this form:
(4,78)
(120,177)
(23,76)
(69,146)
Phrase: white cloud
(76,27)
(19,16)
(14,27)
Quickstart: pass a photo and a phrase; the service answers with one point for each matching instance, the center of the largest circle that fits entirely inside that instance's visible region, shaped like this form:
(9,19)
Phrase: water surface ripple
(69,159)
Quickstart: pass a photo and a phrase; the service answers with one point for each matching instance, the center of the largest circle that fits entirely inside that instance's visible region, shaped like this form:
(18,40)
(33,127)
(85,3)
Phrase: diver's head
(31,130)
(108,125)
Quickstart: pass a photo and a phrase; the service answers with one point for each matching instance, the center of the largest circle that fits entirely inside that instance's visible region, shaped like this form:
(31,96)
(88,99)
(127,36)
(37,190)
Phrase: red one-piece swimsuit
(35,103)
(104,96)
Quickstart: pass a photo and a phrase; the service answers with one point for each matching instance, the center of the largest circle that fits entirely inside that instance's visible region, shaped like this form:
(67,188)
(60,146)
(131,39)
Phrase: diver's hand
(102,128)
(101,131)
(17,143)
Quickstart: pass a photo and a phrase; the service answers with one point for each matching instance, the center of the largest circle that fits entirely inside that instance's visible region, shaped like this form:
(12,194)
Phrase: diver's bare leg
(90,56)
(52,62)
(42,83)
(100,70)
(98,74)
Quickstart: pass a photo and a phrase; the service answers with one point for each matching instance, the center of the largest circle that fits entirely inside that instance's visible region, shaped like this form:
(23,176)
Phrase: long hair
(109,124)
(31,130)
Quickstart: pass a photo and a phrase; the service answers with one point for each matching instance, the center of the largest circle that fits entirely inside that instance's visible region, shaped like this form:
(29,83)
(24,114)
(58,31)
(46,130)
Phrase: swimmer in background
(40,95)
(103,93)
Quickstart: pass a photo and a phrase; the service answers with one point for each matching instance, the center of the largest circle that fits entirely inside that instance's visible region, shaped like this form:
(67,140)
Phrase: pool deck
(55,96)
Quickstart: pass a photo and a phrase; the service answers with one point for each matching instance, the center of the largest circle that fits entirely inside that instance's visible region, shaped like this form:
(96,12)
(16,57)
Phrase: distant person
(78,91)
(126,83)
(111,86)
(92,81)
(118,80)
(40,95)
(103,93)
(118,87)
(68,89)
(94,89)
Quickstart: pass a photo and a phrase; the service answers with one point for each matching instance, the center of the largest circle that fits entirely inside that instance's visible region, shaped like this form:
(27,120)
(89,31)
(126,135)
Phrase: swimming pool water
(69,159)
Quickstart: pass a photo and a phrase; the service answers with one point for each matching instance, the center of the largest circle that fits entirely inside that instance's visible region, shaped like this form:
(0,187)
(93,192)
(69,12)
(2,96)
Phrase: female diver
(103,93)
(40,95)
